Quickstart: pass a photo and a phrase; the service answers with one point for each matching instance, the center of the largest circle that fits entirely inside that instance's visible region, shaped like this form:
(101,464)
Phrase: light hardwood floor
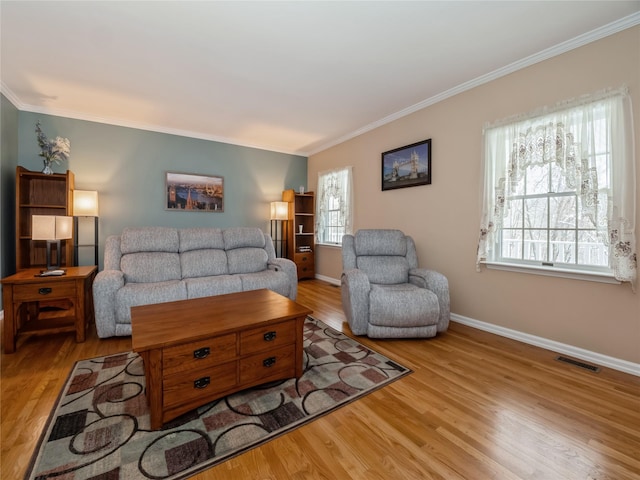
(477,406)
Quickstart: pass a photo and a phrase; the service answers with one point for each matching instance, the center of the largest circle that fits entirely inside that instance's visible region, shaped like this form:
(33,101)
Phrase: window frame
(322,210)
(611,240)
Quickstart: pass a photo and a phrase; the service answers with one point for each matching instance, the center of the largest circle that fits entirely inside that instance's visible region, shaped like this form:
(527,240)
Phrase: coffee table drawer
(44,291)
(198,355)
(267,338)
(266,365)
(204,384)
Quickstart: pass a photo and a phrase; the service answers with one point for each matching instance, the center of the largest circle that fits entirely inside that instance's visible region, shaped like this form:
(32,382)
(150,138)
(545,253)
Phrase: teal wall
(127,167)
(8,164)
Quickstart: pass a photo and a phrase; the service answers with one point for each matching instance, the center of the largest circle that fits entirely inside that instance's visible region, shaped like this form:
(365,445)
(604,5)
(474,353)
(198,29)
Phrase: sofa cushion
(209,286)
(203,263)
(149,239)
(239,237)
(247,260)
(200,238)
(273,280)
(145,294)
(147,267)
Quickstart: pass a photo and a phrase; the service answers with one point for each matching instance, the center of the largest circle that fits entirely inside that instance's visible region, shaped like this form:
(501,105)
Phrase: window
(334,205)
(559,190)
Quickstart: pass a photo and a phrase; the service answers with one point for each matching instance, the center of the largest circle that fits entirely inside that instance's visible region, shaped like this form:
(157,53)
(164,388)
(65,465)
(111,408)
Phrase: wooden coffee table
(198,350)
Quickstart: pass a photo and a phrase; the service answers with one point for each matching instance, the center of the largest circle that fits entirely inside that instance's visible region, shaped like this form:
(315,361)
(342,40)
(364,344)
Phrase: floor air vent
(578,363)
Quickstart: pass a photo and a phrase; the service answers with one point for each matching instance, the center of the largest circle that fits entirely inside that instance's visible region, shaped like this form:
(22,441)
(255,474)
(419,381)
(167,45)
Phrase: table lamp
(51,228)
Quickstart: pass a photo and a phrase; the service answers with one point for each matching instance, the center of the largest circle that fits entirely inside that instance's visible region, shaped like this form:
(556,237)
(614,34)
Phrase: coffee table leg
(153,377)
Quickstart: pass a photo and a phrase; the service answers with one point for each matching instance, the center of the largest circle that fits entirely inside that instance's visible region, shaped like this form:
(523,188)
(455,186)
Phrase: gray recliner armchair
(384,293)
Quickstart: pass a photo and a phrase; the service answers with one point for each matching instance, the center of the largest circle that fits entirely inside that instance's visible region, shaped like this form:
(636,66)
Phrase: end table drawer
(268,364)
(44,291)
(267,338)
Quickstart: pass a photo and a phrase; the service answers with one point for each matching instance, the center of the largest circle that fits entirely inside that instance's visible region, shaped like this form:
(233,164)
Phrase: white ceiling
(292,77)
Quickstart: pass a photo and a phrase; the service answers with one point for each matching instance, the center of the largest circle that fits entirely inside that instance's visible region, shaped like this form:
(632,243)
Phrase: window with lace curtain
(559,190)
(334,205)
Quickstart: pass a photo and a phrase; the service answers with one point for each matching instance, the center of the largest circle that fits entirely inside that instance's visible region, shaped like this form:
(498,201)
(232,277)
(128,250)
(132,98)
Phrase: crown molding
(12,97)
(579,41)
(57,112)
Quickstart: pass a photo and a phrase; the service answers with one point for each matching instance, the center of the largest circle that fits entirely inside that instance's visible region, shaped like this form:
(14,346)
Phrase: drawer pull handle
(44,291)
(201,353)
(202,382)
(269,362)
(269,336)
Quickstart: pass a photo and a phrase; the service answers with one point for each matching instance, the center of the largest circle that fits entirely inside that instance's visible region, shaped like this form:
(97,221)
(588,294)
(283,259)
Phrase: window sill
(331,245)
(590,276)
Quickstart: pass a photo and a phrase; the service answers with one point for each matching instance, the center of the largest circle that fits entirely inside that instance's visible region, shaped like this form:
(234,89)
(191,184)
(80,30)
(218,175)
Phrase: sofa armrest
(288,267)
(105,286)
(438,284)
(355,289)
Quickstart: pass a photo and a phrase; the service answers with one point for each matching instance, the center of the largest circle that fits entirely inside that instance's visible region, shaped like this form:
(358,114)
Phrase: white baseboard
(580,353)
(331,280)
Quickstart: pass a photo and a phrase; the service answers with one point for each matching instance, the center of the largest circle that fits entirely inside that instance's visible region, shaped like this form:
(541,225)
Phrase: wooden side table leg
(80,307)
(9,326)
(299,346)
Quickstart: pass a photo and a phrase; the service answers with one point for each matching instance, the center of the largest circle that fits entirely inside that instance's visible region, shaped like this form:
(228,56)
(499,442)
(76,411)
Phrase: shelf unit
(301,242)
(41,194)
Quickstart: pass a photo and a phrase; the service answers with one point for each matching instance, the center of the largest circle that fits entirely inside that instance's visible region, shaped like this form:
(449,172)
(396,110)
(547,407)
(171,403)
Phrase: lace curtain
(566,136)
(335,191)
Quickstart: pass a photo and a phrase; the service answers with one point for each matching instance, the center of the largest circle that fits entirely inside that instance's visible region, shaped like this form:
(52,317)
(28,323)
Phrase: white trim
(330,280)
(554,272)
(576,352)
(579,41)
(582,354)
(131,124)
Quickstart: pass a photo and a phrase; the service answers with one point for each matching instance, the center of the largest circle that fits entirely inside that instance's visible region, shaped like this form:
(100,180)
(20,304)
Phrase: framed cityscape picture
(407,166)
(188,192)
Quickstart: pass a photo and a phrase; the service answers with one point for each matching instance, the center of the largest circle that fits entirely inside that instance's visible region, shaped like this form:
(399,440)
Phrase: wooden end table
(44,305)
(198,350)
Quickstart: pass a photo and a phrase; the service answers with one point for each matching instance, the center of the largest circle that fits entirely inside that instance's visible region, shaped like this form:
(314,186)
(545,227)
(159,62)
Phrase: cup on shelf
(301,190)
(300,228)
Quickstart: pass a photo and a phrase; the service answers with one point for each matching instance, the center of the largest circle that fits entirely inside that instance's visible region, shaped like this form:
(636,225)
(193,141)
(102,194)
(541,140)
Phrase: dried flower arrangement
(55,150)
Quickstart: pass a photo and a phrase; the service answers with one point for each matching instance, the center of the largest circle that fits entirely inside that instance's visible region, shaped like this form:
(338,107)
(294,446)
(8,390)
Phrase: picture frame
(407,166)
(189,192)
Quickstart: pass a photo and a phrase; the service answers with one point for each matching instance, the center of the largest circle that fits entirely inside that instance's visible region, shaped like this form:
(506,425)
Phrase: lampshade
(50,227)
(85,203)
(279,211)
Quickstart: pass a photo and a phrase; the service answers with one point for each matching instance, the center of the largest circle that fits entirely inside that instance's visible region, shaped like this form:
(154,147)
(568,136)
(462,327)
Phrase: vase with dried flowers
(55,150)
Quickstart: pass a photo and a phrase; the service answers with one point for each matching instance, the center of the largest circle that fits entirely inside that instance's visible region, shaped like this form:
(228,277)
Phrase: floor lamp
(279,215)
(85,206)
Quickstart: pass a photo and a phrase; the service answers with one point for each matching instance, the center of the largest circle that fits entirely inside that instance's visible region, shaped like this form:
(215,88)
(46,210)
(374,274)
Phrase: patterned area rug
(99,428)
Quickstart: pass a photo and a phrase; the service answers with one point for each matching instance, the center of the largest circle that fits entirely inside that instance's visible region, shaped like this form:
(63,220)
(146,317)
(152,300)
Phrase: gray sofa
(159,264)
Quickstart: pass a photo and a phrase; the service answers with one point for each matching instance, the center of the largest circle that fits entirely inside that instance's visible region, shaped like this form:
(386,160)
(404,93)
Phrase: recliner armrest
(355,299)
(105,286)
(438,284)
(288,267)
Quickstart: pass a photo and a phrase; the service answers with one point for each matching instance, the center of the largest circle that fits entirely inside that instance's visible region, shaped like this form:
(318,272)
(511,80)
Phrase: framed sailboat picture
(407,166)
(187,192)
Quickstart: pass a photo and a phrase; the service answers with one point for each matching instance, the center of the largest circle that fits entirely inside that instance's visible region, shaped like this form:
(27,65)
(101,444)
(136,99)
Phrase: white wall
(444,217)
